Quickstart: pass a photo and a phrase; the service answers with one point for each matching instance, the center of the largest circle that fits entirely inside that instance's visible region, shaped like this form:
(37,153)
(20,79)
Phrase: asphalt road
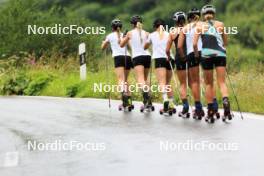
(119,143)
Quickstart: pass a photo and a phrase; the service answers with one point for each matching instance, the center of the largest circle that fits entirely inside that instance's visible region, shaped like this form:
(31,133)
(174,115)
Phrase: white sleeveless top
(158,45)
(137,46)
(112,38)
(189,41)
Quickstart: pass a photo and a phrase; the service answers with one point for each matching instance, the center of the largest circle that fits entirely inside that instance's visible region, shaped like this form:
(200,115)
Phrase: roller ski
(198,114)
(210,116)
(126,105)
(168,108)
(147,104)
(184,113)
(227,112)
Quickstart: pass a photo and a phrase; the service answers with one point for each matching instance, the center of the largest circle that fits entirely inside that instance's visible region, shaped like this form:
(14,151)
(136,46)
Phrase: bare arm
(104,44)
(148,42)
(147,45)
(125,40)
(224,35)
(169,44)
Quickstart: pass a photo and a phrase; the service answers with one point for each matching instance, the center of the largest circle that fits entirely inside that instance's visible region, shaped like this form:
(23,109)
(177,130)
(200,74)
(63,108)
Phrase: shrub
(15,85)
(39,83)
(72,90)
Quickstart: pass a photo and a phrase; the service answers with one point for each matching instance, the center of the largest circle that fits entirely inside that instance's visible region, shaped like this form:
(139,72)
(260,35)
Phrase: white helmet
(208,9)
(179,16)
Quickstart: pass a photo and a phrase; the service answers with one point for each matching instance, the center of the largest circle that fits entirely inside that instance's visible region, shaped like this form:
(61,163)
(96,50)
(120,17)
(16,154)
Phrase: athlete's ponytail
(208,16)
(139,26)
(196,18)
(161,32)
(118,31)
(159,24)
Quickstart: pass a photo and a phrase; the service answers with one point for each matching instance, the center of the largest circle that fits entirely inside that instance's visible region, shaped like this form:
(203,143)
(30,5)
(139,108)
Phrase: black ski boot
(210,114)
(126,103)
(198,114)
(129,100)
(185,110)
(215,105)
(147,103)
(227,111)
(166,106)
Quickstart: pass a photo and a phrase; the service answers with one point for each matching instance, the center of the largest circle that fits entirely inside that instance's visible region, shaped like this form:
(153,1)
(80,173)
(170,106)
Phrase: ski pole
(150,77)
(233,90)
(202,90)
(187,84)
(175,81)
(108,78)
(125,86)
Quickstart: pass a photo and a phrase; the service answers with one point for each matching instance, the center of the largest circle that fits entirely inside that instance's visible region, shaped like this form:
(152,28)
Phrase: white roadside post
(82,55)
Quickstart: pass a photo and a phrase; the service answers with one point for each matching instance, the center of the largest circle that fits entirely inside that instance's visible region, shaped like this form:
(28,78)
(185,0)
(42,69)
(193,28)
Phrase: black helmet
(136,18)
(208,9)
(191,14)
(116,23)
(158,22)
(179,17)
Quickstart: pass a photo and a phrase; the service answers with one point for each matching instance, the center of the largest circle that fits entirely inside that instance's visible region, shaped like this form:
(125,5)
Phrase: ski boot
(172,106)
(185,112)
(198,114)
(215,105)
(210,116)
(147,103)
(168,108)
(227,112)
(127,104)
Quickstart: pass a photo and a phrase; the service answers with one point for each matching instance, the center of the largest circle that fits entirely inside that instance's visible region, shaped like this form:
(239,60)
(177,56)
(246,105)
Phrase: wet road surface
(120,143)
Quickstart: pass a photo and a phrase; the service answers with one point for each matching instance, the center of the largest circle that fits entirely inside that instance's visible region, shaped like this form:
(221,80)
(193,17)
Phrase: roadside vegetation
(48,64)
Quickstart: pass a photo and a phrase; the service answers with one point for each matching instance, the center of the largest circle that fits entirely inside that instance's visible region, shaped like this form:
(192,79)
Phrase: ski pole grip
(125,33)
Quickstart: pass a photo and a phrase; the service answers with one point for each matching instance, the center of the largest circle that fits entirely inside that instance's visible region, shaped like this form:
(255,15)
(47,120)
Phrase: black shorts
(180,64)
(192,61)
(211,63)
(163,63)
(123,61)
(142,60)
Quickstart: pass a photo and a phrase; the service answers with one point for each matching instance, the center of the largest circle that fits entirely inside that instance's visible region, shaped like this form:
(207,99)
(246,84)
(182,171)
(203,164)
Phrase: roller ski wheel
(217,114)
(210,119)
(210,116)
(198,114)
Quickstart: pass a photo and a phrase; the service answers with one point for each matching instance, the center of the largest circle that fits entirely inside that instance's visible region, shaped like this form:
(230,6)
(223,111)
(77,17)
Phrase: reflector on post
(82,55)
